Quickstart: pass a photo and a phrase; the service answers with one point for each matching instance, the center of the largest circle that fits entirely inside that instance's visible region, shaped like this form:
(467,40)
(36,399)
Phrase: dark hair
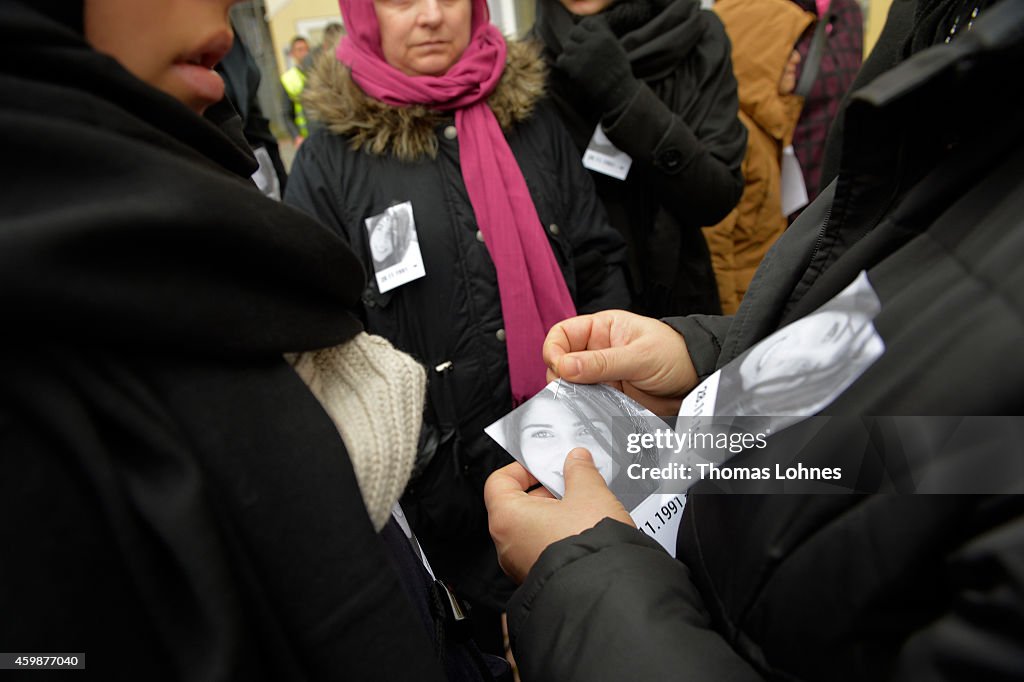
(332,32)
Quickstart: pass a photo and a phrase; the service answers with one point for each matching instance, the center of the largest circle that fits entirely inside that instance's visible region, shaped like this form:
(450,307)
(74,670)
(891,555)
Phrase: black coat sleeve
(694,165)
(704,335)
(611,604)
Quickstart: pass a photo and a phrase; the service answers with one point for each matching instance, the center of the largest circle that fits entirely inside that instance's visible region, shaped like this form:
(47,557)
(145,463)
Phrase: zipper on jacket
(821,234)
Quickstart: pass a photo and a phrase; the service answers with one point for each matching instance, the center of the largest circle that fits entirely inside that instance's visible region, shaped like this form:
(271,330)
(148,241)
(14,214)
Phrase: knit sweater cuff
(374,394)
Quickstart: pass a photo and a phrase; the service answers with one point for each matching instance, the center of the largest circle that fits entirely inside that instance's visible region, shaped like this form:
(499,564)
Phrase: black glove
(593,58)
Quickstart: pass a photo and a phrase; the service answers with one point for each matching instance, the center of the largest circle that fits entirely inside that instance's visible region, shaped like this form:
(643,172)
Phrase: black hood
(127,219)
(67,12)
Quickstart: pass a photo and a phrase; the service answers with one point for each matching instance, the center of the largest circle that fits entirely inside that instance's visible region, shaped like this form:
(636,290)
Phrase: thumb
(597,366)
(582,479)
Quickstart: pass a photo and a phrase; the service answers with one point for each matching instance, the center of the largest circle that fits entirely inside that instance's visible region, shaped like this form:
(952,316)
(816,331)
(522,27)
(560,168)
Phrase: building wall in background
(874,20)
(289,18)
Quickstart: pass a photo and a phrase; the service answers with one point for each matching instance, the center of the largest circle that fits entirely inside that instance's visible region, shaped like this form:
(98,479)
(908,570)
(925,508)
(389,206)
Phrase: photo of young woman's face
(549,430)
(823,340)
(382,243)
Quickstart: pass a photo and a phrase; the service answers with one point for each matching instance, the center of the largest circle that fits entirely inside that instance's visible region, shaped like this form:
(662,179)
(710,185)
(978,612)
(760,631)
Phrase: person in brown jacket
(763,35)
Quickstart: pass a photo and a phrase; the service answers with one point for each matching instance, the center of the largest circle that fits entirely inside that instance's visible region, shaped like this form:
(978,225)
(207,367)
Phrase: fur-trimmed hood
(408,133)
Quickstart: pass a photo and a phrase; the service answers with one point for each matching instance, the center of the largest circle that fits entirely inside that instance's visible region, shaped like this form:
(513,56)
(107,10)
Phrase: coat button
(500,335)
(450,132)
(479,236)
(554,229)
(671,159)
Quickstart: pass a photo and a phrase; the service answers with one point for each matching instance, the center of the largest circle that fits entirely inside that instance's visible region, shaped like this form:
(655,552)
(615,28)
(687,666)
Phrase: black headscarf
(126,218)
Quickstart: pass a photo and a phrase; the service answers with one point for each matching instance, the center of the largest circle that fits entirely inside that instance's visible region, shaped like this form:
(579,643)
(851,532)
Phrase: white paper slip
(658,516)
(604,157)
(794,191)
(399,515)
(265,176)
(394,247)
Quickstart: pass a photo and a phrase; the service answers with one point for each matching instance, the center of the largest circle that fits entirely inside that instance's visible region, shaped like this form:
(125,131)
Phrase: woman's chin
(434,65)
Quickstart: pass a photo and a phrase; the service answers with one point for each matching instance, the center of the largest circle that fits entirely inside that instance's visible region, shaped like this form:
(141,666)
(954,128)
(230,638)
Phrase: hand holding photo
(541,432)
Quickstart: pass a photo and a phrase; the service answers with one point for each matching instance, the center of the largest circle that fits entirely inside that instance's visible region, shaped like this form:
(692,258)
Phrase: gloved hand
(594,59)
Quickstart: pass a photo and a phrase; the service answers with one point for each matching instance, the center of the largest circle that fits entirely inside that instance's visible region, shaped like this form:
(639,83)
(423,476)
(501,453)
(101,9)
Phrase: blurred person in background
(294,82)
(657,78)
(763,34)
(328,44)
(835,64)
(241,76)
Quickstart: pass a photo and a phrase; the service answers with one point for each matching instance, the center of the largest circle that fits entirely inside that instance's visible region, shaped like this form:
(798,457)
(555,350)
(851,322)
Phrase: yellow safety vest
(294,82)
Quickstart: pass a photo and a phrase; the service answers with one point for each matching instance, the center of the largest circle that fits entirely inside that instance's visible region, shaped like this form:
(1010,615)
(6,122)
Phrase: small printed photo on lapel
(394,247)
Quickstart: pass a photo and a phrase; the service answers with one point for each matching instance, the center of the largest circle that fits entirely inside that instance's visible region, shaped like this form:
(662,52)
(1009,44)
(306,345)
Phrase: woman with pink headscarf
(428,112)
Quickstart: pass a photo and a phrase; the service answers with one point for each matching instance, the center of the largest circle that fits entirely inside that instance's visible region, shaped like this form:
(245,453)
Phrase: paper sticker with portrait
(394,247)
(800,369)
(541,432)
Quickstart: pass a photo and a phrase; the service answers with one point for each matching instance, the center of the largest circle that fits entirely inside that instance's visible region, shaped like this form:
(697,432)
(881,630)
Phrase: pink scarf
(533,292)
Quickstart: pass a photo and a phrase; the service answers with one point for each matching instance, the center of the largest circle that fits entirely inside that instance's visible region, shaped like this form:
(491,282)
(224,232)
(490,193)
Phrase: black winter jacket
(849,587)
(682,130)
(451,320)
(174,502)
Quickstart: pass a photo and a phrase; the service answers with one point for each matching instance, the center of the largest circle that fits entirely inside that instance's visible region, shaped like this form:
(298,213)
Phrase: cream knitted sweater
(374,395)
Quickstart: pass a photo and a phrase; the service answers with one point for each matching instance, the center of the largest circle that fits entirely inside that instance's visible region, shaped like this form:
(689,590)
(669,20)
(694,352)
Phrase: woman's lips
(431,45)
(205,83)
(196,68)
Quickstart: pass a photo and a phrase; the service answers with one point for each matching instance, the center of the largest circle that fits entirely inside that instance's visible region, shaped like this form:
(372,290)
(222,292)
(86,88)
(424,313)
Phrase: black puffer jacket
(451,320)
(682,130)
(850,587)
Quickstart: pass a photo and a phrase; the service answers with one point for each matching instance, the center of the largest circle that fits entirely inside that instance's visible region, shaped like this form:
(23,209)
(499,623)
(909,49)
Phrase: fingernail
(580,454)
(573,366)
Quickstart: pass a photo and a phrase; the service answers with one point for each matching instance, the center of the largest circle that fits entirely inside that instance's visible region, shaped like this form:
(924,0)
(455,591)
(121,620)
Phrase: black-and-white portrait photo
(394,247)
(390,235)
(541,432)
(802,367)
